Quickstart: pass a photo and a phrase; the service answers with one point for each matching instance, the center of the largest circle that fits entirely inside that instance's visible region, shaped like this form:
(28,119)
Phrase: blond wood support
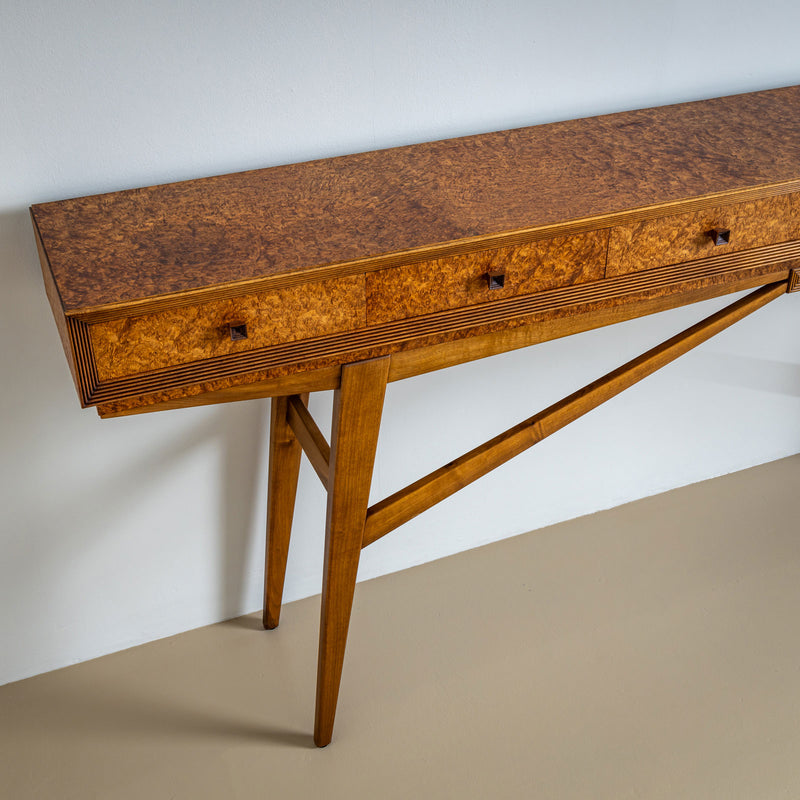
(402,506)
(310,437)
(357,409)
(284,465)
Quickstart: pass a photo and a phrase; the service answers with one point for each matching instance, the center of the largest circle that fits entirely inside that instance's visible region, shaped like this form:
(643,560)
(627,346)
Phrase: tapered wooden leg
(357,408)
(284,466)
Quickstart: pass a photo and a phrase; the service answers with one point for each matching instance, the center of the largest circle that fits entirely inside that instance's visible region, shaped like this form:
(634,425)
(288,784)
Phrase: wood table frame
(345,470)
(349,273)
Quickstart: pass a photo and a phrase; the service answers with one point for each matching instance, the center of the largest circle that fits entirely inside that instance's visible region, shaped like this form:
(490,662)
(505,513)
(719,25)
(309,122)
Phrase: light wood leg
(357,408)
(284,466)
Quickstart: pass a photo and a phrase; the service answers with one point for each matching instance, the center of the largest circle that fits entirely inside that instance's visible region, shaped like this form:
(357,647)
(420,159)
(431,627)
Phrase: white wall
(117,532)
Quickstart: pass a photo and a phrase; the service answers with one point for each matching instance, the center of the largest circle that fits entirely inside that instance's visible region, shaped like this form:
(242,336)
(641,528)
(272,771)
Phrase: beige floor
(650,651)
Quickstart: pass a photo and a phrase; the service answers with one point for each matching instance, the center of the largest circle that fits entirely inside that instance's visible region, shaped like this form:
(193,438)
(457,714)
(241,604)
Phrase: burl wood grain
(684,237)
(459,281)
(289,358)
(431,346)
(193,333)
(113,249)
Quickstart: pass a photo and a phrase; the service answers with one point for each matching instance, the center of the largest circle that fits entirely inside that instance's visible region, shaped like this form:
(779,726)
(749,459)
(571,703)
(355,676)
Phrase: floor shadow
(249,622)
(115,710)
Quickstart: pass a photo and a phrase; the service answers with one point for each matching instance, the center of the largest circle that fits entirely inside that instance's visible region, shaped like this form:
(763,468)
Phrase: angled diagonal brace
(407,503)
(314,444)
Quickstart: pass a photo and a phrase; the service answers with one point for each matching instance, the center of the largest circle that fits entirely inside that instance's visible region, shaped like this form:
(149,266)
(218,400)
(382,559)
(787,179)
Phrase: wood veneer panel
(226,391)
(118,248)
(409,363)
(424,352)
(194,333)
(459,281)
(684,237)
(403,334)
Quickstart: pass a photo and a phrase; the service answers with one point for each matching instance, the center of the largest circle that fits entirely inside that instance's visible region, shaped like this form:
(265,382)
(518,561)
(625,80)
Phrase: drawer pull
(720,236)
(496,280)
(238,331)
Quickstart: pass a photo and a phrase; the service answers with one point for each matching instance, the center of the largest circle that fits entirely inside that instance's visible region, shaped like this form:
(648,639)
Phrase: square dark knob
(238,331)
(496,280)
(720,236)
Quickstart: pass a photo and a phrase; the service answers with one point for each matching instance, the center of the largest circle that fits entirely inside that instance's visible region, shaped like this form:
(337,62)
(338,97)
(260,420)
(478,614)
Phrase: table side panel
(130,346)
(685,237)
(459,281)
(540,314)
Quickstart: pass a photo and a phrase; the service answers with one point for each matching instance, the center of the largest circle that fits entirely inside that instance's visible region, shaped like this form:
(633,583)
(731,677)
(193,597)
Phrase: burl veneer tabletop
(116,248)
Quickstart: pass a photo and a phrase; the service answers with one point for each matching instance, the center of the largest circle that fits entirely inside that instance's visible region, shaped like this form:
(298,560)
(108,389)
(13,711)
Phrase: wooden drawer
(166,338)
(686,237)
(458,281)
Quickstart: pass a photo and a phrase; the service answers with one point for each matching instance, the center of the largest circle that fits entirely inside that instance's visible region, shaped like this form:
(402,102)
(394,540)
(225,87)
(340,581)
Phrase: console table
(347,273)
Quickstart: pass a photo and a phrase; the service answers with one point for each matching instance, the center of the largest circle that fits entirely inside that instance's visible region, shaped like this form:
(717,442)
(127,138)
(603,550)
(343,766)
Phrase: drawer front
(163,339)
(459,281)
(686,237)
